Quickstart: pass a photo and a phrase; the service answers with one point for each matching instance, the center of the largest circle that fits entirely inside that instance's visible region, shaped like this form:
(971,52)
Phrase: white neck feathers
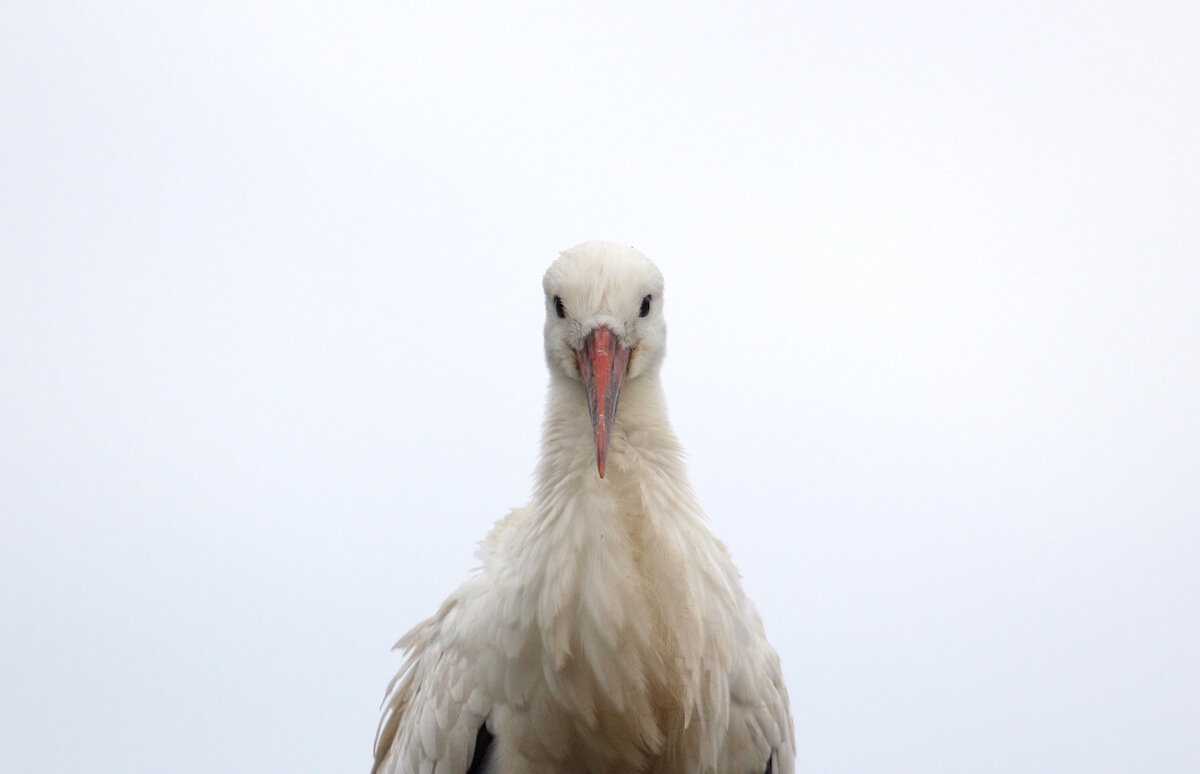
(619,570)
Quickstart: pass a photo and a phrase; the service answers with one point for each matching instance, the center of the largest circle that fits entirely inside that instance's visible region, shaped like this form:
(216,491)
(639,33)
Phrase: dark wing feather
(483,744)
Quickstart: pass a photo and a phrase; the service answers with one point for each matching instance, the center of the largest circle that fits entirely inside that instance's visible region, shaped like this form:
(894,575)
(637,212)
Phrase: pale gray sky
(270,356)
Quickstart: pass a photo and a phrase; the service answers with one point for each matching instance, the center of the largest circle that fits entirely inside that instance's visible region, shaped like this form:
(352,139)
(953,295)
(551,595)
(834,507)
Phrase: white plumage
(606,631)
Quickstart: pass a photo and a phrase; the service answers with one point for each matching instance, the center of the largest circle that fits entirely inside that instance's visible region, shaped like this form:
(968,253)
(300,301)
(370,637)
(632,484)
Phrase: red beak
(602,364)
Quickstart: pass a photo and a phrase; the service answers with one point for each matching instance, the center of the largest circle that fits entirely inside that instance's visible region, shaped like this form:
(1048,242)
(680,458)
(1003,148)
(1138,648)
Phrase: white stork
(607,631)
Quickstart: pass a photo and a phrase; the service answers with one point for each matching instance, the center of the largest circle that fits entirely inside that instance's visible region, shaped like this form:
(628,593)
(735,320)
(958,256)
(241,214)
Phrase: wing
(761,736)
(431,713)
(437,707)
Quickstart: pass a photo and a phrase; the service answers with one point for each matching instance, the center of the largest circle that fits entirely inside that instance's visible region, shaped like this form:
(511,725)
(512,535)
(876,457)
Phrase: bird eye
(558,307)
(645,307)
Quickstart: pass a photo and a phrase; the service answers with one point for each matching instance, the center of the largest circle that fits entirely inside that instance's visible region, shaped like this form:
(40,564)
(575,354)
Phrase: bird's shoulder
(437,701)
(759,710)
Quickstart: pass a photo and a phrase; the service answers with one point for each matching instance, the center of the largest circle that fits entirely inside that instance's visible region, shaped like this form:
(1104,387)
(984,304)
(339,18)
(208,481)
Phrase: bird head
(604,326)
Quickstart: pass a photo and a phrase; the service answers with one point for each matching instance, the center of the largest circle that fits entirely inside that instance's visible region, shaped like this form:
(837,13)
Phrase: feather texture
(606,630)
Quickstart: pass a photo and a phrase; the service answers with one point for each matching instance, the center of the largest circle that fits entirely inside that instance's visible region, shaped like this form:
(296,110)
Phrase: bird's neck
(645,472)
(620,571)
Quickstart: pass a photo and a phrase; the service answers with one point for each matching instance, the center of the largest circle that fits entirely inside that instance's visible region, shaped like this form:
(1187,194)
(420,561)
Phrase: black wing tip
(483,744)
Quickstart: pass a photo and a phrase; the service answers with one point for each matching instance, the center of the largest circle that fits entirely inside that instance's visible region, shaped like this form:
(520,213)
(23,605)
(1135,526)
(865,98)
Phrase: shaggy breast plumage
(606,630)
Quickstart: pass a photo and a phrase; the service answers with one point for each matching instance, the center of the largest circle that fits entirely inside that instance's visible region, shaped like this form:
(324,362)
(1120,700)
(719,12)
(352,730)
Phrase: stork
(606,631)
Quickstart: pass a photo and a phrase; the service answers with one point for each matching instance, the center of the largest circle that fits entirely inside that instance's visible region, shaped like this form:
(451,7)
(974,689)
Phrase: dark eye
(558,307)
(645,307)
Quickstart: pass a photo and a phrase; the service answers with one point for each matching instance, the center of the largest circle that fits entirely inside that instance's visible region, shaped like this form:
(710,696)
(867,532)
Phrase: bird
(606,630)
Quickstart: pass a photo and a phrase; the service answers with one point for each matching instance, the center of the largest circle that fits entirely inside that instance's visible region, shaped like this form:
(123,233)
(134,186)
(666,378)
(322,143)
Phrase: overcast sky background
(270,356)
